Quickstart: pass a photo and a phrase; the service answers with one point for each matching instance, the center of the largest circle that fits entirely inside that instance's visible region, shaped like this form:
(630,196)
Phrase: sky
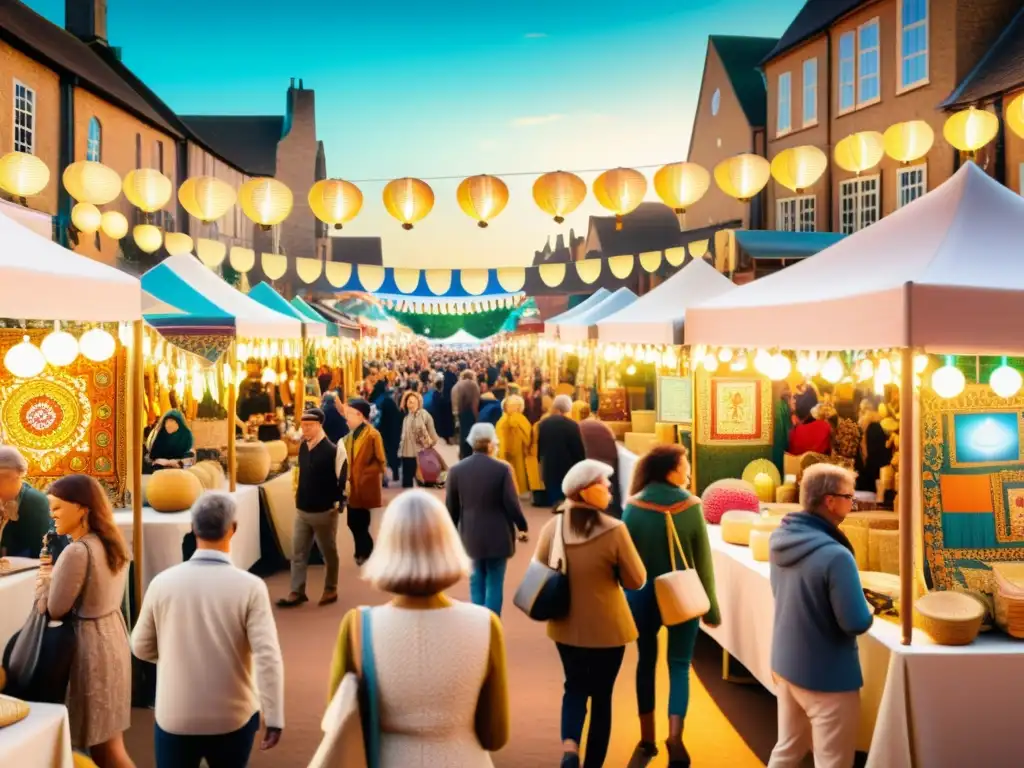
(448,89)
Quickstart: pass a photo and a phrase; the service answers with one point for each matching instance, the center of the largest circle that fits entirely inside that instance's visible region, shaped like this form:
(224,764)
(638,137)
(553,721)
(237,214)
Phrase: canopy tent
(183,282)
(347,326)
(45,281)
(551,326)
(311,315)
(151,305)
(525,314)
(657,317)
(942,274)
(461,338)
(577,328)
(265,294)
(772,244)
(367,311)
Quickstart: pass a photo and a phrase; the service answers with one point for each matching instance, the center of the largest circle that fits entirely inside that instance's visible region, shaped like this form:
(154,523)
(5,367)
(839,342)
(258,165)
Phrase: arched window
(94,145)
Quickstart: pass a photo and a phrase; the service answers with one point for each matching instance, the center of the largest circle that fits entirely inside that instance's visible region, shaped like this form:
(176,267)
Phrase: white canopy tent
(43,280)
(551,326)
(461,338)
(577,328)
(657,317)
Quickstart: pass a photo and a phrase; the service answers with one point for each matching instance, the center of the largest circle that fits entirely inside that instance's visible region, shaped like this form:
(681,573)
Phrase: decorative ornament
(335,201)
(909,141)
(22,174)
(147,237)
(97,345)
(948,381)
(267,202)
(59,348)
(559,193)
(178,244)
(86,218)
(799,168)
(482,197)
(90,182)
(47,417)
(860,152)
(620,190)
(114,224)
(24,360)
(408,200)
(680,185)
(147,189)
(743,176)
(971,129)
(206,198)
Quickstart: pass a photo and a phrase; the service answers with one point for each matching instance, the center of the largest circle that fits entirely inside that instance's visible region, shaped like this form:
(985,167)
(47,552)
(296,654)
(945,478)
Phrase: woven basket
(12,710)
(883,551)
(882,521)
(950,618)
(1009,614)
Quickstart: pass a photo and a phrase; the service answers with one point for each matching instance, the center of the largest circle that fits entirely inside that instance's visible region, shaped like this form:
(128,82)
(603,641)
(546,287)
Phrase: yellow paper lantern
(860,152)
(799,168)
(207,198)
(408,200)
(1015,115)
(482,197)
(147,189)
(114,225)
(559,193)
(22,174)
(178,244)
(620,190)
(335,202)
(743,176)
(971,129)
(147,237)
(24,360)
(680,185)
(909,141)
(90,182)
(97,345)
(211,252)
(86,218)
(267,202)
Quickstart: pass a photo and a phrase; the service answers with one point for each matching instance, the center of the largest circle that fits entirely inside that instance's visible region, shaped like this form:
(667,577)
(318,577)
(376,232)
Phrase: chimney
(300,84)
(86,19)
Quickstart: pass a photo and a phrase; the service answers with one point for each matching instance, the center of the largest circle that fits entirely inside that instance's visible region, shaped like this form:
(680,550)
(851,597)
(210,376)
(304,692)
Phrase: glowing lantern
(620,190)
(798,168)
(408,200)
(558,194)
(86,217)
(267,202)
(833,370)
(680,185)
(1015,115)
(59,348)
(335,202)
(725,354)
(1005,381)
(743,176)
(211,252)
(114,225)
(24,360)
(971,129)
(948,381)
(97,345)
(860,152)
(91,182)
(22,174)
(207,198)
(147,189)
(147,237)
(178,244)
(482,198)
(865,370)
(779,367)
(710,363)
(907,142)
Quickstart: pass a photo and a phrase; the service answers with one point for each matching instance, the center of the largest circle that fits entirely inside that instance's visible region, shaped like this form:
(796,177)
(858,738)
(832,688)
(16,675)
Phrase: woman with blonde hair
(441,678)
(418,434)
(88,583)
(514,437)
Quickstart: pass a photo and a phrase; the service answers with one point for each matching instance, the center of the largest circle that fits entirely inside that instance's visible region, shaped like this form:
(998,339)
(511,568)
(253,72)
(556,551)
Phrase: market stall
(551,325)
(577,327)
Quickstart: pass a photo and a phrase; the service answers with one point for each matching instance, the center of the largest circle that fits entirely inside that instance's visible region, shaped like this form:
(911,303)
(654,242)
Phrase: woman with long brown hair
(88,582)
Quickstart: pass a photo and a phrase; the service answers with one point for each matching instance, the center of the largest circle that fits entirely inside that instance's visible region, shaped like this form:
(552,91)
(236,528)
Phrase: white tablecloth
(162,533)
(945,706)
(17,595)
(41,740)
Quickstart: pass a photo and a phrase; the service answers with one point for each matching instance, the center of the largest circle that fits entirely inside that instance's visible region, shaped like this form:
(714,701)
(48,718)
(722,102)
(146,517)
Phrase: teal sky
(448,89)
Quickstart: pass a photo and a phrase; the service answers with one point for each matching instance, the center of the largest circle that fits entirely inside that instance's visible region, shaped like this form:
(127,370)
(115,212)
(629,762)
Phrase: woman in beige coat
(418,434)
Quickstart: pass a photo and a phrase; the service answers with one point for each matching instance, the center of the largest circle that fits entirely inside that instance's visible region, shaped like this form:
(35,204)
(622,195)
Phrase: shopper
(418,434)
(559,446)
(367,466)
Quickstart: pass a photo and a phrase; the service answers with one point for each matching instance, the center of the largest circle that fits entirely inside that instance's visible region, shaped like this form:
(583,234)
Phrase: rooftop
(1000,70)
(815,17)
(248,142)
(741,56)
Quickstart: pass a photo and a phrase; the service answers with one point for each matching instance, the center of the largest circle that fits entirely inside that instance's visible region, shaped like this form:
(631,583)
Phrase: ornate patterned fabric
(210,346)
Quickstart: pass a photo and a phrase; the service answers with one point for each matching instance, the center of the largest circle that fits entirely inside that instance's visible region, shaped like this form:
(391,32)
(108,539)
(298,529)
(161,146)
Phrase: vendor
(170,443)
(26,509)
(875,452)
(810,435)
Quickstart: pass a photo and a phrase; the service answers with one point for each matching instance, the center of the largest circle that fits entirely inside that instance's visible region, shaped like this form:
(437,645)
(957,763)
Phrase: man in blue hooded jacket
(820,609)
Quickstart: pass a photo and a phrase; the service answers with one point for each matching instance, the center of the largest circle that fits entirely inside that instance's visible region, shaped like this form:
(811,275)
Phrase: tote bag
(543,594)
(680,594)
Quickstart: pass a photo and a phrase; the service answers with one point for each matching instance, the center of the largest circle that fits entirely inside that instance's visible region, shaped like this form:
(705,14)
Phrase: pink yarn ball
(725,495)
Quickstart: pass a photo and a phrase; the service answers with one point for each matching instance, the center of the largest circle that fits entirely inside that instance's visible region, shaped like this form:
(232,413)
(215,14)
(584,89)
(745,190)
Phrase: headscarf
(163,445)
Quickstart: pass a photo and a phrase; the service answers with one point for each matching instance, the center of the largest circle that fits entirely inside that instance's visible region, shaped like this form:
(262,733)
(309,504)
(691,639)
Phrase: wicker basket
(950,618)
(882,521)
(1008,597)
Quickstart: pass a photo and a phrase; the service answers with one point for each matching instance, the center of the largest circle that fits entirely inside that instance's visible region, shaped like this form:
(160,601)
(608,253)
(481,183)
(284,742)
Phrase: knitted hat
(358,404)
(313,414)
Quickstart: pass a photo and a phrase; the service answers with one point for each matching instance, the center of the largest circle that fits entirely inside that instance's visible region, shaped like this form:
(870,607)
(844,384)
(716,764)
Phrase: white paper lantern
(948,381)
(1005,381)
(59,348)
(24,360)
(780,367)
(97,345)
(833,370)
(710,362)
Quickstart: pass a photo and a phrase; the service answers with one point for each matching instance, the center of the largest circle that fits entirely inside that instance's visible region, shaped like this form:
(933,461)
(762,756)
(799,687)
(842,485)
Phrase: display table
(279,493)
(627,461)
(41,740)
(17,595)
(946,706)
(162,534)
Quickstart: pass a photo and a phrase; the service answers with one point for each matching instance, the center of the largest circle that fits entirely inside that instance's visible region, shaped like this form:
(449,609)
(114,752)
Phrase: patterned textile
(846,439)
(210,346)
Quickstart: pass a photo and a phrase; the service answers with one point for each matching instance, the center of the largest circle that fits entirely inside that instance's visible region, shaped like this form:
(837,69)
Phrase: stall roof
(577,328)
(183,282)
(265,294)
(461,338)
(41,280)
(657,317)
(943,273)
(770,244)
(592,301)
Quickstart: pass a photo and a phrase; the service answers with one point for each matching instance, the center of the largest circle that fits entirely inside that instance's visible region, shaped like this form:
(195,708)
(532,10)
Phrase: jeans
(682,639)
(359,524)
(409,467)
(589,675)
(487,583)
(228,750)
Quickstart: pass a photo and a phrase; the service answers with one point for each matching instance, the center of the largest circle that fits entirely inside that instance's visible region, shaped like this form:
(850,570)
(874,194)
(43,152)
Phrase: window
(913,43)
(158,156)
(94,144)
(796,214)
(138,151)
(716,101)
(784,122)
(810,92)
(24,118)
(847,75)
(911,183)
(867,63)
(858,204)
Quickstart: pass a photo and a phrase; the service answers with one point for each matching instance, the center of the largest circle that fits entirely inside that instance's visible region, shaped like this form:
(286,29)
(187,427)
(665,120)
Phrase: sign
(675,399)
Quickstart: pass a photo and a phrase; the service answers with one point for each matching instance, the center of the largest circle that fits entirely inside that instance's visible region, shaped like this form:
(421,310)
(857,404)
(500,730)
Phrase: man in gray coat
(482,500)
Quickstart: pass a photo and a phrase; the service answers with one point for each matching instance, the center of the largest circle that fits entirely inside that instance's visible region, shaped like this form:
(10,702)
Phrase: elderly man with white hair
(481,497)
(559,447)
(26,508)
(209,628)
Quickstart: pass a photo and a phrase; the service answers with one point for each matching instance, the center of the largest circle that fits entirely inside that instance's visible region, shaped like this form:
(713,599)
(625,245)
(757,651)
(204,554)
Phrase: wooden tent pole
(299,401)
(232,385)
(137,428)
(907,475)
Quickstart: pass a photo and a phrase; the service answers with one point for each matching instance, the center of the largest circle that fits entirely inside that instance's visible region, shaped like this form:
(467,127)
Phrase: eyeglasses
(847,496)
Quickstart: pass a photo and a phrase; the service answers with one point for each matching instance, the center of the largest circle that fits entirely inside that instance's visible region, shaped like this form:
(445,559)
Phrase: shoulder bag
(680,594)
(351,724)
(543,594)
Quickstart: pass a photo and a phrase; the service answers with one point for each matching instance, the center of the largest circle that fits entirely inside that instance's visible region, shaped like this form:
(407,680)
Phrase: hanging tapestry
(736,411)
(209,346)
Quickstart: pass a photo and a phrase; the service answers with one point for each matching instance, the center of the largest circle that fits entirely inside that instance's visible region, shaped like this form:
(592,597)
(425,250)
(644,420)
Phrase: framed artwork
(674,400)
(985,439)
(737,411)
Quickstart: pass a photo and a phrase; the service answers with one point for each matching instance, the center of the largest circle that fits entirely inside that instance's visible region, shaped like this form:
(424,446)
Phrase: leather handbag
(543,594)
(680,593)
(430,466)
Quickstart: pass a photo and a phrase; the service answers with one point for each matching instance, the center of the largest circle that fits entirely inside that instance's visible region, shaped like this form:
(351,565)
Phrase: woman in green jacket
(659,489)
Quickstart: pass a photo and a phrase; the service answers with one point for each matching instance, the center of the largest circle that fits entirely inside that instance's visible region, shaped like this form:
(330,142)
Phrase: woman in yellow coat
(514,438)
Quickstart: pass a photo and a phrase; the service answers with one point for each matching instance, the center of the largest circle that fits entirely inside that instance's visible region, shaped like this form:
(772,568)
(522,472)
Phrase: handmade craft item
(173,490)
(737,525)
(253,461)
(724,495)
(950,618)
